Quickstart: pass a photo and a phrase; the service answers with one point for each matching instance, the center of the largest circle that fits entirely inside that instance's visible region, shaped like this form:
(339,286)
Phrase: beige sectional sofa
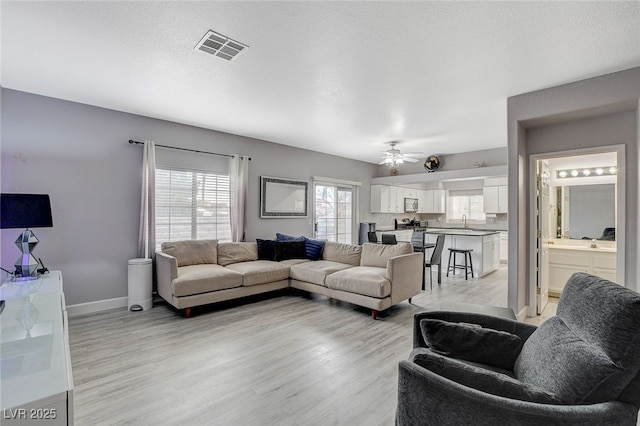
(192,273)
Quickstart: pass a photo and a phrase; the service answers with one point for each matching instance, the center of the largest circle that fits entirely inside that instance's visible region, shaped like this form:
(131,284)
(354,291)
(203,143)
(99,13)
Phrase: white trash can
(140,284)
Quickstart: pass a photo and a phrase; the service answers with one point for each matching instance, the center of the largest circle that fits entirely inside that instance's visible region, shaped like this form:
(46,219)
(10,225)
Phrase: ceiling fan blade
(415,154)
(382,162)
(410,160)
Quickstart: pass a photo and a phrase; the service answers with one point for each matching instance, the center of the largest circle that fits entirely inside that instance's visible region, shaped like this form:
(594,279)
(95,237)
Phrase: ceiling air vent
(220,46)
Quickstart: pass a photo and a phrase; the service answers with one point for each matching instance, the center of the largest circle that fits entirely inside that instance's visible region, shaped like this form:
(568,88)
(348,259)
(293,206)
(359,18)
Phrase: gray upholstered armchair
(580,367)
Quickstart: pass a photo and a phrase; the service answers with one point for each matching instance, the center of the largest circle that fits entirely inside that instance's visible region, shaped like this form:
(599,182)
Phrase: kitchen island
(484,243)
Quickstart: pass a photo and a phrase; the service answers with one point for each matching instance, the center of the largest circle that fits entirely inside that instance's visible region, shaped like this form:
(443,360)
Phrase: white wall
(597,112)
(80,155)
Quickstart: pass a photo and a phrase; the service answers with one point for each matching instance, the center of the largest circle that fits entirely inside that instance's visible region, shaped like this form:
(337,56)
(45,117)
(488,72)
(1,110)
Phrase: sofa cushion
(343,253)
(365,280)
(229,253)
(192,252)
(479,378)
(291,262)
(557,360)
(203,278)
(316,272)
(289,250)
(266,249)
(377,254)
(260,272)
(471,342)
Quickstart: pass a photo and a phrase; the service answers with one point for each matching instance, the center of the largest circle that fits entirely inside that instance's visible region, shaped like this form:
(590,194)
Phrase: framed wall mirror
(587,212)
(282,198)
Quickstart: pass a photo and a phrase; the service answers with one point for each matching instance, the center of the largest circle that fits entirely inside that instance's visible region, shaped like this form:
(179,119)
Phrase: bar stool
(455,266)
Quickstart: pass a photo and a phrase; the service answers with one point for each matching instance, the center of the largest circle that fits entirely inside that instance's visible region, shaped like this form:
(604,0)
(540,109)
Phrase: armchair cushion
(480,379)
(471,342)
(554,358)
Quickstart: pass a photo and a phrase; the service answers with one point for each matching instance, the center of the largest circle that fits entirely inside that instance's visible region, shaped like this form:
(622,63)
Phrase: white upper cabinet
(390,199)
(495,199)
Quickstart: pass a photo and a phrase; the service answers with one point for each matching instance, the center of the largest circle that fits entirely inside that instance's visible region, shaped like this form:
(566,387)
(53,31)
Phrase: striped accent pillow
(313,248)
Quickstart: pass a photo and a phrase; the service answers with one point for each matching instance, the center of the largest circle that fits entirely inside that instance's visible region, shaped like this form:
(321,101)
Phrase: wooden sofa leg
(187,312)
(374,314)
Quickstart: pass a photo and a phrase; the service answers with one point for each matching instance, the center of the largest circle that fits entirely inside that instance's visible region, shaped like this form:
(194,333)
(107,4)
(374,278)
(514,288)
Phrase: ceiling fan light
(399,160)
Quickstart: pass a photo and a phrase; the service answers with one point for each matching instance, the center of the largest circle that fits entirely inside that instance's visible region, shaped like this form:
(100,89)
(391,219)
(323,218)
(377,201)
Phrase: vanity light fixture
(586,172)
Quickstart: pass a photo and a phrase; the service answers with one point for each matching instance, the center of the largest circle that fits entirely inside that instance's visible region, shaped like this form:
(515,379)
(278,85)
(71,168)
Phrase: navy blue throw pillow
(284,237)
(313,248)
(266,249)
(290,250)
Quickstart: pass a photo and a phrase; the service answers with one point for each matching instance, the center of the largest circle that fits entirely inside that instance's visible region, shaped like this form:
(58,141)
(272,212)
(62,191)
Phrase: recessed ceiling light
(220,45)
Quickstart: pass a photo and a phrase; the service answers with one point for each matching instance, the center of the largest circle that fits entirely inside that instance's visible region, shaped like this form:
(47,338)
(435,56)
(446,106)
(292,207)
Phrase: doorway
(334,212)
(577,210)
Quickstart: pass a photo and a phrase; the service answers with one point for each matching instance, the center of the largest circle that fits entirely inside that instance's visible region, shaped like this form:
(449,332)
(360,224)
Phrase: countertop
(465,232)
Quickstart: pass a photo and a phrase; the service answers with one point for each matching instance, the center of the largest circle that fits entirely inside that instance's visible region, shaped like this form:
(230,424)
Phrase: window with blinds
(468,202)
(191,205)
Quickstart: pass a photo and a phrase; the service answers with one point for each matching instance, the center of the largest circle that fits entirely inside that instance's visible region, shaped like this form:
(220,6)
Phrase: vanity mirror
(586,212)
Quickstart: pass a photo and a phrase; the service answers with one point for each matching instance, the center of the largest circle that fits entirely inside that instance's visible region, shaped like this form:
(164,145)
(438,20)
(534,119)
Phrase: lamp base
(27,265)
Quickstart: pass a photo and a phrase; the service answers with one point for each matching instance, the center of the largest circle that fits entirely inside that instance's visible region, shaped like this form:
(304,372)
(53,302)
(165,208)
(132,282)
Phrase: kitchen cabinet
(431,201)
(381,198)
(564,261)
(504,247)
(390,199)
(495,199)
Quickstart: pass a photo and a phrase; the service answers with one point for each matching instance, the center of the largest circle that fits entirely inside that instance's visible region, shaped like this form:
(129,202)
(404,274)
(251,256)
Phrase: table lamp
(26,211)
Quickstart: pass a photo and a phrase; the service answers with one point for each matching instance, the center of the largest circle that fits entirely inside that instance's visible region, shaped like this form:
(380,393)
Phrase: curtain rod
(131,141)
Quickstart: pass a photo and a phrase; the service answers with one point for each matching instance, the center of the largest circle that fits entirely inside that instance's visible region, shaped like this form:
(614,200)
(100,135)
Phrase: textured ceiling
(337,77)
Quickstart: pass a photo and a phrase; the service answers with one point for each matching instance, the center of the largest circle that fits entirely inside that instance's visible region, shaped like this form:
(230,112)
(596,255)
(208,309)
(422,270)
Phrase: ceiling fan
(394,158)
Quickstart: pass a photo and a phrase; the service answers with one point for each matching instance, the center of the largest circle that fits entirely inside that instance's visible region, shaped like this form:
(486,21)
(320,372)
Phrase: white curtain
(147,235)
(238,182)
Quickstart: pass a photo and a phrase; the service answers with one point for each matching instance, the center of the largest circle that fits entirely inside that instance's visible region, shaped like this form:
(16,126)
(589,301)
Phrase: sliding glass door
(333,212)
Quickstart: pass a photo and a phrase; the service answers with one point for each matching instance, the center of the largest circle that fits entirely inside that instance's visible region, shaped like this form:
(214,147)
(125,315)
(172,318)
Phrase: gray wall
(460,161)
(79,154)
(597,112)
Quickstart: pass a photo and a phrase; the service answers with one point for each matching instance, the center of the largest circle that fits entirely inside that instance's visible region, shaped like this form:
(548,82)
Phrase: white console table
(36,385)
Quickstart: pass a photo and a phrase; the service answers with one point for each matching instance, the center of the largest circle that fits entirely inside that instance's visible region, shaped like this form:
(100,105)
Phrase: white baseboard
(523,313)
(97,306)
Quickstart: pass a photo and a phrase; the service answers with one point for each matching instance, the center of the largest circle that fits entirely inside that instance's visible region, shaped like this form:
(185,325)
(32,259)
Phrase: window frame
(471,192)
(200,194)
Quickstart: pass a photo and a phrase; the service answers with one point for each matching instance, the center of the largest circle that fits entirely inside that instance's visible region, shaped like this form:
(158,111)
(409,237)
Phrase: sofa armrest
(166,271)
(405,274)
(521,329)
(425,398)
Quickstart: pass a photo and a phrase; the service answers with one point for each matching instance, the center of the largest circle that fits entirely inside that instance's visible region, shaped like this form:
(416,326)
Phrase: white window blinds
(191,205)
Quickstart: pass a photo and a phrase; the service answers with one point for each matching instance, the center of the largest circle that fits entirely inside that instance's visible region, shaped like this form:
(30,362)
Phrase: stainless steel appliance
(365,228)
(410,205)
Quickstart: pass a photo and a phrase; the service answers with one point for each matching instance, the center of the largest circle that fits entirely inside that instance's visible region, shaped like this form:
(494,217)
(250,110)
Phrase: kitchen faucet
(464,220)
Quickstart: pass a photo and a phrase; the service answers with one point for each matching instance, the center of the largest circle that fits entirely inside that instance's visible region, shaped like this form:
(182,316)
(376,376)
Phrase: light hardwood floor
(285,359)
